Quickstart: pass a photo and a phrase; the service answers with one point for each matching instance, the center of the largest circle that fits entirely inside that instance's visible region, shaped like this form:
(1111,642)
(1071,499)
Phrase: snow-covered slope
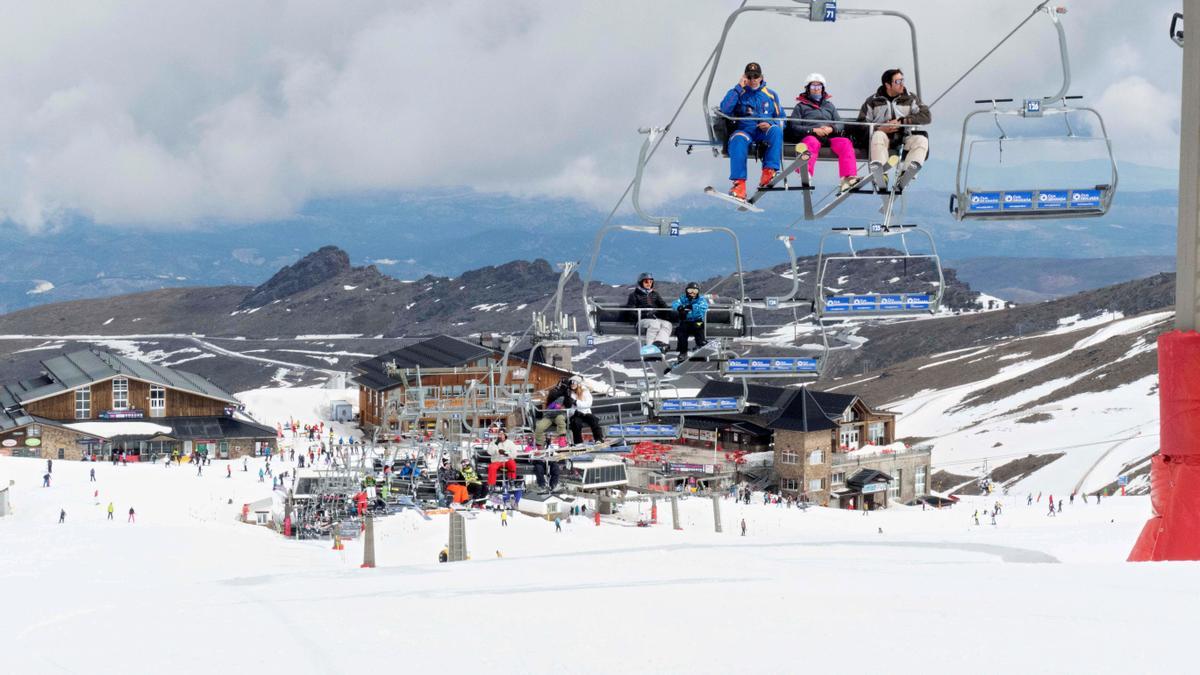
(1086,389)
(208,594)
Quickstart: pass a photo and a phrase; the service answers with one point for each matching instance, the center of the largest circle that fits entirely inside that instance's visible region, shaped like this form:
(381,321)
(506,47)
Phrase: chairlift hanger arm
(802,11)
(653,136)
(667,127)
(1052,12)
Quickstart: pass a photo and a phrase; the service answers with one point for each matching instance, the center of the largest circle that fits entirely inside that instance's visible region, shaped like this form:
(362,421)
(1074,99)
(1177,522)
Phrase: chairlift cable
(962,77)
(699,76)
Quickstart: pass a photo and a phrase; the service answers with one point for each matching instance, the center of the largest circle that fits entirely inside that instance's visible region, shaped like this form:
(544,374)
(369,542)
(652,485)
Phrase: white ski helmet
(814,77)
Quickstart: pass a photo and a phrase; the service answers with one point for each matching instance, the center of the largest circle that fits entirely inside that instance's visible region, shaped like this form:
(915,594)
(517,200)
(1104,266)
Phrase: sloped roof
(786,408)
(440,351)
(178,428)
(12,415)
(865,476)
(86,366)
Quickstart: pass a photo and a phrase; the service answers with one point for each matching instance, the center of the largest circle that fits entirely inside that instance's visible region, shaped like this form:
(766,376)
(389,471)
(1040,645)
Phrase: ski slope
(1099,432)
(188,589)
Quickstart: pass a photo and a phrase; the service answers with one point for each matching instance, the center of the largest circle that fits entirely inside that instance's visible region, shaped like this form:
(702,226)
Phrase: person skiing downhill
(131,515)
(743,527)
(62,516)
(92,474)
(110,510)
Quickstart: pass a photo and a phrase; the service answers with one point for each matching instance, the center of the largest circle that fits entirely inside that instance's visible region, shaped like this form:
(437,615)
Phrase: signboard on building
(129,414)
(33,442)
(682,467)
(870,488)
(9,442)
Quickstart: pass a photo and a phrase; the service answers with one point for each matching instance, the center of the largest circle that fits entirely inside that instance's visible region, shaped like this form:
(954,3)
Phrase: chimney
(557,354)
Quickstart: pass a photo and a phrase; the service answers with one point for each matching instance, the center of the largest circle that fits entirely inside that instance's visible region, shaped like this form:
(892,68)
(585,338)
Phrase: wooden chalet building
(812,435)
(92,403)
(444,379)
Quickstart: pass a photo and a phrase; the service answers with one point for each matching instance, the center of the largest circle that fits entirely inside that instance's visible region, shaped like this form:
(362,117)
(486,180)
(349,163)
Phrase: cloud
(177,114)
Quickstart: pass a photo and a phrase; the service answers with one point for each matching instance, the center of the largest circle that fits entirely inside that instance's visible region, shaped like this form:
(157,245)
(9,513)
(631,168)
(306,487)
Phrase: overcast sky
(170,113)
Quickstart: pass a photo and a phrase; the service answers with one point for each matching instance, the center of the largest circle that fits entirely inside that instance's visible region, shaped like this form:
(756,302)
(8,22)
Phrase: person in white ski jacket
(582,413)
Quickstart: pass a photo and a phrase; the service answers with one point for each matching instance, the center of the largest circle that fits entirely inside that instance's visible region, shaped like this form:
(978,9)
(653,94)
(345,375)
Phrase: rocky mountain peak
(312,270)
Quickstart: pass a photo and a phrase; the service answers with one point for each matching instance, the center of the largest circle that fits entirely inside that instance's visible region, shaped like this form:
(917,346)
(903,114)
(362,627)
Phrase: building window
(789,457)
(158,400)
(816,485)
(894,486)
(789,484)
(120,390)
(875,435)
(849,437)
(83,403)
(816,457)
(34,430)
(919,480)
(839,478)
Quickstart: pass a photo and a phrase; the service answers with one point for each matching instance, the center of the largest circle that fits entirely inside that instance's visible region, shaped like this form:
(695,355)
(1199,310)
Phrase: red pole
(1173,532)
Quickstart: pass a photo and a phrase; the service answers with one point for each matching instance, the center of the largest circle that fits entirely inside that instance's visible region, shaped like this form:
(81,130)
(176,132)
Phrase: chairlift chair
(1061,201)
(719,126)
(876,303)
(1035,202)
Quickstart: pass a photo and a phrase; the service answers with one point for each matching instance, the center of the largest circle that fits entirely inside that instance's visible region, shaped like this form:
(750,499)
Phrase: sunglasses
(899,81)
(753,76)
(816,85)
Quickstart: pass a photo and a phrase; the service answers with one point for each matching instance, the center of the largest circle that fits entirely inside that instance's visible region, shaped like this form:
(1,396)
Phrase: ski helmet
(644,276)
(691,285)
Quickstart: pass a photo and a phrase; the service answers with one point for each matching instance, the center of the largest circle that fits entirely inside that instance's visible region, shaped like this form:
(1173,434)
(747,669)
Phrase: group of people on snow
(890,115)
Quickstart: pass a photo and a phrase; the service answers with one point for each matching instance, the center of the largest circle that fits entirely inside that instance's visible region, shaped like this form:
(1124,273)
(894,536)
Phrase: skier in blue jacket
(752,99)
(692,309)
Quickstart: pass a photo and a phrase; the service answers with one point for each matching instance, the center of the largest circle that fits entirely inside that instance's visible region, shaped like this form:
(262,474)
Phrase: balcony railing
(855,459)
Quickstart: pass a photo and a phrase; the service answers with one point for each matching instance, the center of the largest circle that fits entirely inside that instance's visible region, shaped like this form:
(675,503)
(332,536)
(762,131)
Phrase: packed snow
(40,286)
(637,593)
